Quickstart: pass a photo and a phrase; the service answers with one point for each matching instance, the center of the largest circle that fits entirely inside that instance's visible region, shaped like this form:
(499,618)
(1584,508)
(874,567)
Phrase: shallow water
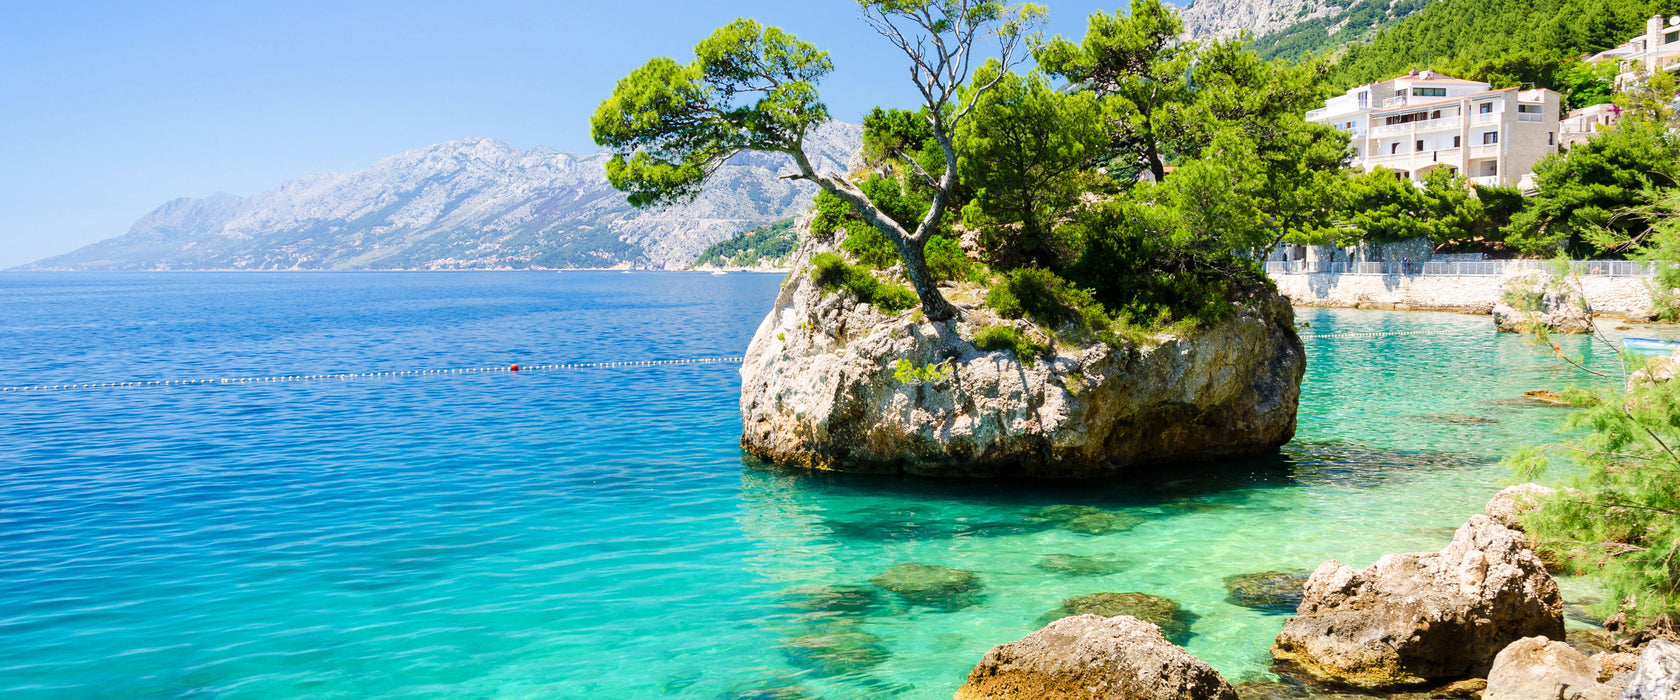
(595,533)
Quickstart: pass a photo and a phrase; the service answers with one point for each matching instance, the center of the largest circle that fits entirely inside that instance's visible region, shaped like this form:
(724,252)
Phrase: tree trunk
(912,251)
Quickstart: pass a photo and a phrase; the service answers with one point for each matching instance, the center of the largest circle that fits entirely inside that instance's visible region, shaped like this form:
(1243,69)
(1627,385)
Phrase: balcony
(1485,118)
(1443,124)
(1313,115)
(1485,180)
(1486,150)
(1396,101)
(1530,117)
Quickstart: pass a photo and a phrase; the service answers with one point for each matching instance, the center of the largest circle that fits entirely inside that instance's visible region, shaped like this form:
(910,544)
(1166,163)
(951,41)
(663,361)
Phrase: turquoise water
(596,533)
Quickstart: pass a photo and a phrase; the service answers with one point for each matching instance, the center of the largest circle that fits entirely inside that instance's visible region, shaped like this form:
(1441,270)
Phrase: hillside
(1293,28)
(768,245)
(471,204)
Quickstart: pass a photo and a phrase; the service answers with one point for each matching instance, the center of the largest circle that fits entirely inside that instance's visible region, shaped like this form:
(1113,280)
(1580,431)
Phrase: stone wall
(1609,296)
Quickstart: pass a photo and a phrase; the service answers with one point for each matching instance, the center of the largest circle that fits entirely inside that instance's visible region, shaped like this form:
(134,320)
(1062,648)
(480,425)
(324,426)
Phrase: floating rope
(362,375)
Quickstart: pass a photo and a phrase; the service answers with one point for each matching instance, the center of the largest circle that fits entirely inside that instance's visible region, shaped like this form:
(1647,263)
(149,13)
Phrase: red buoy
(514,368)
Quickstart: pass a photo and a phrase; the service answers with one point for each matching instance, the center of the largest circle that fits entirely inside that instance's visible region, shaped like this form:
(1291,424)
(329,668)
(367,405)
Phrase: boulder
(1266,591)
(1537,668)
(1509,505)
(1090,657)
(1420,617)
(1536,297)
(1658,675)
(932,586)
(822,388)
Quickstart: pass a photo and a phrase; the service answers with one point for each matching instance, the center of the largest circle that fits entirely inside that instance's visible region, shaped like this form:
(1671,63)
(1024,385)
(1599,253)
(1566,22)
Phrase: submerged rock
(820,389)
(1094,658)
(1457,419)
(835,648)
(1268,591)
(1420,617)
(932,586)
(1173,620)
(838,599)
(1088,520)
(1080,565)
(1658,675)
(1536,297)
(1536,667)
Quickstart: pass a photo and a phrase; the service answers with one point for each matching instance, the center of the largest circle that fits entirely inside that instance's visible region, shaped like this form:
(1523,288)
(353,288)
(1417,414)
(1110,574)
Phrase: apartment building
(1583,123)
(1422,121)
(1657,49)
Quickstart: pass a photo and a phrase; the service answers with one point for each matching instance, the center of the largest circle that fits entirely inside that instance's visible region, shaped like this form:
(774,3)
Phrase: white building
(1422,121)
(1657,49)
(1581,124)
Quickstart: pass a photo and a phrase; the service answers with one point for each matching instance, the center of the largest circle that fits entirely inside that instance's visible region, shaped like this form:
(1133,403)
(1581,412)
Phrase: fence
(1495,268)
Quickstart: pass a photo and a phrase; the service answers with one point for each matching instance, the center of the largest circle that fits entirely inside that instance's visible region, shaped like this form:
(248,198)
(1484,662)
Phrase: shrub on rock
(1094,658)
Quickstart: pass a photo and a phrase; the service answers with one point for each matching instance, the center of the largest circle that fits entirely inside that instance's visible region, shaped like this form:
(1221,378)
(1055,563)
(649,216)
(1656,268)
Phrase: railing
(1530,117)
(1485,118)
(1316,113)
(1457,268)
(1485,180)
(1396,101)
(1485,150)
(1577,128)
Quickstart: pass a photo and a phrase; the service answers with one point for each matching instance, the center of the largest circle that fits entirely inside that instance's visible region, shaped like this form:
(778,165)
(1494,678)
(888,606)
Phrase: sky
(108,110)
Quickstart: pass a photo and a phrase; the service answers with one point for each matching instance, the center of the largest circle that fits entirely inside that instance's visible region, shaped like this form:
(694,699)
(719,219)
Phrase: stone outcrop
(1094,658)
(821,389)
(1509,505)
(1537,668)
(1658,675)
(1538,297)
(1421,617)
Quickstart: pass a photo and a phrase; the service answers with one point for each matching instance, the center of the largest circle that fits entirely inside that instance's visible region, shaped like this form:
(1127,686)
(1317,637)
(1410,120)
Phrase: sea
(589,527)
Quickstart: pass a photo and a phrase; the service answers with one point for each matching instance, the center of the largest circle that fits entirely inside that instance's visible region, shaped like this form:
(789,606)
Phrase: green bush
(831,213)
(832,273)
(993,338)
(946,259)
(870,247)
(1040,295)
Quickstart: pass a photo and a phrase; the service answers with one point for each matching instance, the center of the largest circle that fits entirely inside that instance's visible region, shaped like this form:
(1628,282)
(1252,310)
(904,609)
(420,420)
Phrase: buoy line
(363,375)
(1377,334)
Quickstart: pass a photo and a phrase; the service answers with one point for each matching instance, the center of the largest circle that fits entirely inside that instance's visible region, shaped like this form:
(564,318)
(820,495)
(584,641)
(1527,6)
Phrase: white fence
(1496,268)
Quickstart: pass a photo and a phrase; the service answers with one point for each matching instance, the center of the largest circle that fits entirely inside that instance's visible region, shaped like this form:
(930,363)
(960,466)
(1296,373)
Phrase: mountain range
(471,204)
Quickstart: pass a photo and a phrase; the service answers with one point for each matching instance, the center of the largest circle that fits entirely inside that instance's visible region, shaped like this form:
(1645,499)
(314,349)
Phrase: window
(1394,148)
(1490,137)
(1455,142)
(1429,92)
(1493,168)
(1487,108)
(1549,139)
(1671,37)
(1528,109)
(1435,114)
(1364,99)
(1419,145)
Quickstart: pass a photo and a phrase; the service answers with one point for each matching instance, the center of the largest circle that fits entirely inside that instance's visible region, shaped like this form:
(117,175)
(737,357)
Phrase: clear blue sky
(109,109)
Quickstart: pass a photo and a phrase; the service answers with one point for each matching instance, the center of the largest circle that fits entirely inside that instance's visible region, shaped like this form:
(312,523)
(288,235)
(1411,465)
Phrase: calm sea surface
(595,533)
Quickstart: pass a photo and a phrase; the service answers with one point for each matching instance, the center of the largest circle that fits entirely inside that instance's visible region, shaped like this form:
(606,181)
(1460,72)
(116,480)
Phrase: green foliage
(768,242)
(1025,150)
(993,338)
(906,372)
(670,125)
(1361,19)
(869,246)
(946,259)
(1499,204)
(1041,295)
(1620,522)
(832,273)
(832,212)
(1140,261)
(1381,207)
(1506,42)
(896,137)
(1579,193)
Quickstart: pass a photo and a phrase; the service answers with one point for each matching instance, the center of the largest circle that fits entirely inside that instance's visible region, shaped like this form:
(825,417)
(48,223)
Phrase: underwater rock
(1086,520)
(820,389)
(1418,617)
(835,648)
(1094,658)
(1468,688)
(1173,620)
(1080,565)
(840,599)
(1535,668)
(1268,591)
(932,586)
(1456,419)
(1537,298)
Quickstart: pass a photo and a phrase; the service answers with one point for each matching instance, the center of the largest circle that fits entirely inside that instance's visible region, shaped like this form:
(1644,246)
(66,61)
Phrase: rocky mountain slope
(472,204)
(1292,28)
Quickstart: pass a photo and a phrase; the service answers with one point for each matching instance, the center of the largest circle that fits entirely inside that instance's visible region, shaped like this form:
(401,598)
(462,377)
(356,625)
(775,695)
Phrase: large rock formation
(1094,658)
(1419,617)
(1512,502)
(1536,297)
(1536,668)
(1658,675)
(819,389)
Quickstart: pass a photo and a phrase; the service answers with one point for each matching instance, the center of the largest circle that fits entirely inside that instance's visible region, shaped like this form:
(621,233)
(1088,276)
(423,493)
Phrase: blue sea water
(596,533)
